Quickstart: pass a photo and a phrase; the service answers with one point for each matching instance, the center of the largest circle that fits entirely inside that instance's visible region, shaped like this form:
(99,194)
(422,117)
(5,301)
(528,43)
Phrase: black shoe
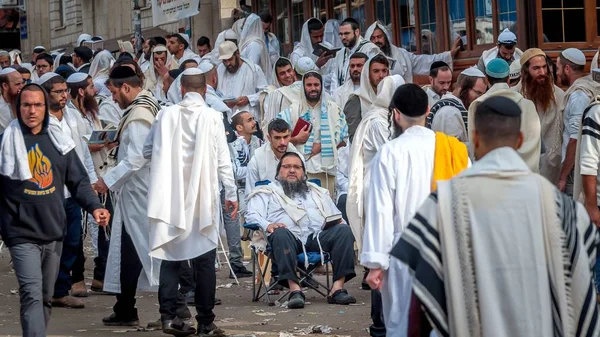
(209,330)
(240,273)
(113,320)
(158,324)
(190,298)
(296,300)
(217,301)
(342,297)
(364,285)
(177,327)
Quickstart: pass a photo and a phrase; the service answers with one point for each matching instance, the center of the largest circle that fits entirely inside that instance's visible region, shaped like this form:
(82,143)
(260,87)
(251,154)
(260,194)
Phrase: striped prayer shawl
(447,102)
(420,248)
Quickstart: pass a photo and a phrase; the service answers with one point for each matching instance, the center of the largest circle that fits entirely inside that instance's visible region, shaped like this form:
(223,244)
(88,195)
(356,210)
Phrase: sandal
(342,297)
(296,300)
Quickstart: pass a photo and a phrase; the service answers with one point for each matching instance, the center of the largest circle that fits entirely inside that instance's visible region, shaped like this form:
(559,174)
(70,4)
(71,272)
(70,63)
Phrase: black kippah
(122,72)
(500,105)
(173,73)
(438,64)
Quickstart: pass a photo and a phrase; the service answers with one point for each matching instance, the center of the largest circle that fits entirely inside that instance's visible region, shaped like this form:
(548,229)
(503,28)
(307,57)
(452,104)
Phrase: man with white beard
(342,94)
(353,42)
(402,174)
(407,64)
(11,84)
(240,80)
(183,139)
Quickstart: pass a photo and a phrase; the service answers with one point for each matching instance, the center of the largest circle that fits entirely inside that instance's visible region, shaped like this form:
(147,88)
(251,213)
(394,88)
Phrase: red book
(300,124)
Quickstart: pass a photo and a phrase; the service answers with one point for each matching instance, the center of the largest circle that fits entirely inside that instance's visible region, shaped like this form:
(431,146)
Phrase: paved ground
(238,315)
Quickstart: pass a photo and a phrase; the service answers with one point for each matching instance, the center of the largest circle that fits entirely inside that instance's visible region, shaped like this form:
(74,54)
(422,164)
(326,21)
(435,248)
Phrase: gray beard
(293,189)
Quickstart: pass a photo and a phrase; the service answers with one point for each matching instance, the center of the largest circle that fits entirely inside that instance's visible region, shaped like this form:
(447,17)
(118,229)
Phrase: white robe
(279,100)
(109,111)
(342,94)
(400,176)
(129,183)
(6,115)
(248,81)
(252,44)
(449,120)
(273,46)
(189,157)
(341,61)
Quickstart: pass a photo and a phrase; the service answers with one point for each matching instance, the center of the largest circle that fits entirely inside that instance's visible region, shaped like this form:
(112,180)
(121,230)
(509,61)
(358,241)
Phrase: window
(507,15)
(297,20)
(320,10)
(458,22)
(358,12)
(484,26)
(427,24)
(383,10)
(406,13)
(340,9)
(283,21)
(62,13)
(555,16)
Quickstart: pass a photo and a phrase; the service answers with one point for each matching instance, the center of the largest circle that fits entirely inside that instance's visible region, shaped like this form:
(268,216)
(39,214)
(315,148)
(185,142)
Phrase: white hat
(473,72)
(77,77)
(226,50)
(574,55)
(7,71)
(185,37)
(159,48)
(82,38)
(47,76)
(507,37)
(205,67)
(192,71)
(230,35)
(304,65)
(39,47)
(4,53)
(515,70)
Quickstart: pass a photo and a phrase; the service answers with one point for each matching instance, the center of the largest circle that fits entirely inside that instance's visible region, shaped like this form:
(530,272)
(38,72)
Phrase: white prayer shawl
(366,92)
(188,54)
(491,54)
(128,181)
(407,63)
(341,61)
(305,49)
(79,130)
(214,54)
(531,128)
(152,81)
(526,239)
(342,94)
(56,63)
(15,57)
(594,64)
(14,162)
(109,111)
(6,114)
(273,47)
(189,157)
(372,132)
(400,176)
(248,81)
(100,69)
(174,92)
(332,33)
(279,100)
(252,44)
(449,120)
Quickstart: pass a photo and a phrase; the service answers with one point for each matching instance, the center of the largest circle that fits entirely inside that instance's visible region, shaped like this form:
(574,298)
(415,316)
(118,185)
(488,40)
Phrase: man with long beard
(11,84)
(537,85)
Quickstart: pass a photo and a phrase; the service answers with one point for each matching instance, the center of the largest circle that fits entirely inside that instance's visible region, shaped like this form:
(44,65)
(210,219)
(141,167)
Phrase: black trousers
(186,277)
(171,299)
(205,275)
(377,329)
(338,241)
(131,268)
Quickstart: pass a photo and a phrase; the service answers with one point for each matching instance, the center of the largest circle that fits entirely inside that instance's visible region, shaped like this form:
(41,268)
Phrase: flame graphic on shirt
(40,167)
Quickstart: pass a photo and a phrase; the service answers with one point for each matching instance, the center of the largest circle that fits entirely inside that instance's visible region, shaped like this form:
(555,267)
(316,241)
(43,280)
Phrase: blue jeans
(70,249)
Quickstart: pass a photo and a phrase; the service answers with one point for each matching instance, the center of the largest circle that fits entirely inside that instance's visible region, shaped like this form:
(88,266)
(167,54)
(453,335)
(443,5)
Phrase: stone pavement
(238,315)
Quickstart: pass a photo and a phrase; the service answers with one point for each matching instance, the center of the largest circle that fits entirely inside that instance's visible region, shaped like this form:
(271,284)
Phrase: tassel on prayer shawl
(451,157)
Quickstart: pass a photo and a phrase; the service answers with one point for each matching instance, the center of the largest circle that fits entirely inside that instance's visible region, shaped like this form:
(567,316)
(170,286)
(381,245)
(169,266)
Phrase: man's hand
(161,68)
(112,145)
(455,48)
(101,186)
(102,216)
(315,150)
(375,279)
(594,214)
(562,184)
(302,136)
(242,101)
(233,205)
(272,227)
(322,60)
(95,147)
(230,104)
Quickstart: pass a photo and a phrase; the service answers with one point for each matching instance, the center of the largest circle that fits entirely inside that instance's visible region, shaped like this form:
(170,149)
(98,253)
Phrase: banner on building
(167,11)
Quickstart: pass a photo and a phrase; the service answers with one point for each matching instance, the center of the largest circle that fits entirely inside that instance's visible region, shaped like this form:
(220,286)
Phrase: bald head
(193,83)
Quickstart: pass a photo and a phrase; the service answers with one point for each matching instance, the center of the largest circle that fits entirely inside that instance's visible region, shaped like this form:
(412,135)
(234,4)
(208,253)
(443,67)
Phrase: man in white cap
(252,44)
(353,42)
(326,131)
(582,90)
(289,80)
(11,84)
(449,114)
(497,73)
(313,31)
(537,85)
(36,51)
(342,94)
(185,155)
(179,46)
(240,80)
(71,124)
(515,74)
(4,59)
(407,64)
(506,49)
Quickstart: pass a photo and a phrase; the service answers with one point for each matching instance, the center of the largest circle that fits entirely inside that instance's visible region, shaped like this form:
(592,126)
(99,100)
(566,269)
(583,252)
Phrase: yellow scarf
(451,157)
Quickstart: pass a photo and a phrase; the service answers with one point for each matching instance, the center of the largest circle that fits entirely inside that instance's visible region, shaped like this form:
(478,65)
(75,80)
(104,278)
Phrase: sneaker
(68,302)
(296,300)
(240,273)
(97,286)
(342,297)
(79,289)
(210,330)
(177,327)
(218,301)
(113,320)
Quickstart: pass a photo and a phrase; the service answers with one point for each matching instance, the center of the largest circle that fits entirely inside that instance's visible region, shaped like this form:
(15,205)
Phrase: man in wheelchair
(300,217)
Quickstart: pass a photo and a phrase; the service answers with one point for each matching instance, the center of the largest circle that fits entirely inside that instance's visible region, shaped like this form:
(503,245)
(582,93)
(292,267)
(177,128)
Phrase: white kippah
(47,76)
(77,77)
(515,70)
(4,53)
(185,37)
(574,55)
(39,47)
(230,35)
(473,72)
(159,48)
(304,65)
(7,71)
(205,66)
(192,71)
(507,37)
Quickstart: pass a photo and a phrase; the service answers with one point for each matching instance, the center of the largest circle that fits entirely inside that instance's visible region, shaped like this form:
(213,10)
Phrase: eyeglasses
(290,166)
(478,93)
(60,92)
(43,66)
(32,105)
(26,81)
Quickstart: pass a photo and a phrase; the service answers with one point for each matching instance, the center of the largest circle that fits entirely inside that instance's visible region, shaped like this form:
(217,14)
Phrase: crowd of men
(471,204)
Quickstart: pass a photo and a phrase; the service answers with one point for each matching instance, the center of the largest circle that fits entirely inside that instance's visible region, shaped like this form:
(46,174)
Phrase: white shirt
(432,96)
(263,166)
(245,82)
(5,114)
(573,113)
